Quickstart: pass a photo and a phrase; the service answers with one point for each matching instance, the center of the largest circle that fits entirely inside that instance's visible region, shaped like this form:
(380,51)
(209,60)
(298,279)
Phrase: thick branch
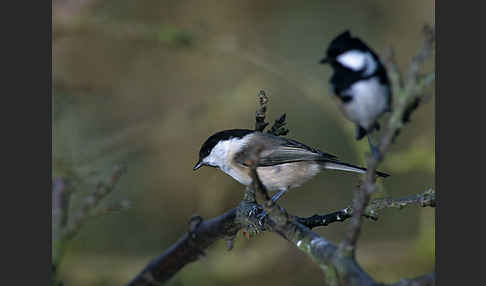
(187,249)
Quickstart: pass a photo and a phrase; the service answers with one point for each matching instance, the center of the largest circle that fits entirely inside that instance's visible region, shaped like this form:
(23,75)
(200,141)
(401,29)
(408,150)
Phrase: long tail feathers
(350,168)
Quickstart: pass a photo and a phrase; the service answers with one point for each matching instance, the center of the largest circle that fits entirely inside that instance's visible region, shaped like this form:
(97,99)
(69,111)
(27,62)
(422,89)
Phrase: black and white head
(215,150)
(350,54)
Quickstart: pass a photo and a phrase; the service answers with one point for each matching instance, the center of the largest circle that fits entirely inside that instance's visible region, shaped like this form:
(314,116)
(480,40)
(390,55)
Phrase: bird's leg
(262,215)
(360,132)
(375,151)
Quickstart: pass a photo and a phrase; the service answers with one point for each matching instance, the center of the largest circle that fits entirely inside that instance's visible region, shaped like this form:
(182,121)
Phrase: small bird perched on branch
(283,163)
(359,81)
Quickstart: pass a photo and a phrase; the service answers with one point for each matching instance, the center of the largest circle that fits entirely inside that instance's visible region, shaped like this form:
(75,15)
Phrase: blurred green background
(144,83)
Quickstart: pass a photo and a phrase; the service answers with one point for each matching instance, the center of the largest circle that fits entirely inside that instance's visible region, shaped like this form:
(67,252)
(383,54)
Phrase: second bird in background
(359,81)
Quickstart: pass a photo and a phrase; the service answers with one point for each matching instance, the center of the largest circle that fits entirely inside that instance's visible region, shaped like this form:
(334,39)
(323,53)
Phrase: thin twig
(61,192)
(260,123)
(426,199)
(92,201)
(65,226)
(278,127)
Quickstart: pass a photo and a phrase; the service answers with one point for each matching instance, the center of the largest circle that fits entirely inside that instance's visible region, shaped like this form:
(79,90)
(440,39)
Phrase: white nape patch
(358,60)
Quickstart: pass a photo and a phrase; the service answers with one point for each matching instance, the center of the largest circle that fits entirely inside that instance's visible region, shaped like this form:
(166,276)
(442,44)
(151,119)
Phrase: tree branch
(260,123)
(326,219)
(426,199)
(187,249)
(65,226)
(278,128)
(92,201)
(60,202)
(61,193)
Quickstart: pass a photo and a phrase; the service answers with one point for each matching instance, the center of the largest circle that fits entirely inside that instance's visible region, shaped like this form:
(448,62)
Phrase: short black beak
(198,165)
(324,61)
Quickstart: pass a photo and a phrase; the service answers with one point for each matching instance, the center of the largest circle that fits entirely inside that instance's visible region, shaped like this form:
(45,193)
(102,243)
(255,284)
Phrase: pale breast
(275,178)
(369,101)
(278,177)
(288,175)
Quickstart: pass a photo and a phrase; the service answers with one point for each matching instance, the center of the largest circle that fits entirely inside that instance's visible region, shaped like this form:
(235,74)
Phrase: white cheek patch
(354,60)
(210,160)
(217,155)
(220,153)
(357,60)
(221,156)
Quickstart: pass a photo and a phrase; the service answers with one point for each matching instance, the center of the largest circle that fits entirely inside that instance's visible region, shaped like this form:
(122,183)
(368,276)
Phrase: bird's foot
(277,196)
(261,218)
(375,151)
